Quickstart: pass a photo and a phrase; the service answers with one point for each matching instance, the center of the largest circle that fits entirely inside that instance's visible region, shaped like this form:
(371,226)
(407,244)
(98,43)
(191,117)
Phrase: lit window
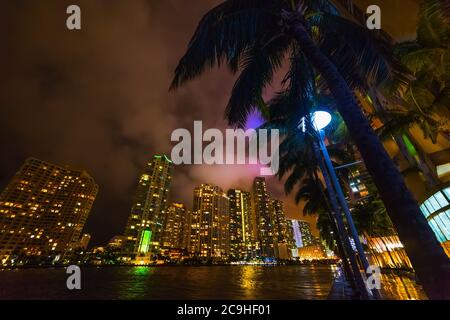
(441,199)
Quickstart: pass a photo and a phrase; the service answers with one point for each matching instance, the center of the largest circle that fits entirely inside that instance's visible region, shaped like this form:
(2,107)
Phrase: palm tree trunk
(429,260)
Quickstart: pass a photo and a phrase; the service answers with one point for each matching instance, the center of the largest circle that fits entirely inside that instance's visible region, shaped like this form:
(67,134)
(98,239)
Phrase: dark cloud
(98,98)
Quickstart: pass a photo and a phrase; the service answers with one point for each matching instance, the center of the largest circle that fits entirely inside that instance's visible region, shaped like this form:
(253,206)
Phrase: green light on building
(144,244)
(409,146)
(167,159)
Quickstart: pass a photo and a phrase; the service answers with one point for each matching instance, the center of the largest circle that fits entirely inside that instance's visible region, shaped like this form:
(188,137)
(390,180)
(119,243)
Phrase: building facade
(302,233)
(283,232)
(436,210)
(210,237)
(263,211)
(176,227)
(43,209)
(242,242)
(148,211)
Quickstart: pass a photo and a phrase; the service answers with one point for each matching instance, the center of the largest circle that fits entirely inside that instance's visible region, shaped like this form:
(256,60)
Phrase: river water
(186,282)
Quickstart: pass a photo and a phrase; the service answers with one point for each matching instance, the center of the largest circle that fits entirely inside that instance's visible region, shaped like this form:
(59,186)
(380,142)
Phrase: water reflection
(396,287)
(136,284)
(247,279)
(177,282)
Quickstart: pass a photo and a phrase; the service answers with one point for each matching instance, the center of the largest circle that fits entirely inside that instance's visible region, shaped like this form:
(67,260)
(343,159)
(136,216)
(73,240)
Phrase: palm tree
(253,36)
(424,100)
(428,60)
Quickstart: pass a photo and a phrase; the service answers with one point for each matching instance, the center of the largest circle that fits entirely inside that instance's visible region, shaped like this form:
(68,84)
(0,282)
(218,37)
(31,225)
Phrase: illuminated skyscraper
(43,209)
(241,224)
(209,223)
(302,233)
(283,232)
(297,234)
(176,227)
(263,211)
(148,211)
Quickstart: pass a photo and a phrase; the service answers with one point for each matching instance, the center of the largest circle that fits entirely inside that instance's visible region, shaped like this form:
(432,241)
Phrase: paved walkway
(341,289)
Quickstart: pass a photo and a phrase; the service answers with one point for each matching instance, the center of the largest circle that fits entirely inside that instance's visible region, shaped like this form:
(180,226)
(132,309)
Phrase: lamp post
(320,120)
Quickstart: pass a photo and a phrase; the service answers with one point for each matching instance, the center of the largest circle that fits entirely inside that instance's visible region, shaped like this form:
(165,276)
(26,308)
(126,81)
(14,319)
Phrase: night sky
(98,98)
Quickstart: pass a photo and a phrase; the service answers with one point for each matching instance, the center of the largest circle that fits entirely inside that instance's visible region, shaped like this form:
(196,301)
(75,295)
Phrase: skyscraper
(241,224)
(43,209)
(145,223)
(209,223)
(302,233)
(283,232)
(263,211)
(176,227)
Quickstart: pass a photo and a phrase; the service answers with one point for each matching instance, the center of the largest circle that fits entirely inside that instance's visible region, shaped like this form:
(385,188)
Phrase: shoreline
(159,265)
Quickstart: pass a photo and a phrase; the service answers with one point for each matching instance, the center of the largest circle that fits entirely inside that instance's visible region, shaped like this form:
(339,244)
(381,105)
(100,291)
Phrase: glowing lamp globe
(321,119)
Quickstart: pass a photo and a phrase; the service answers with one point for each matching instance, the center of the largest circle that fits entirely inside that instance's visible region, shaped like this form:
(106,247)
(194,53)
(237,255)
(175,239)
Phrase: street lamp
(320,120)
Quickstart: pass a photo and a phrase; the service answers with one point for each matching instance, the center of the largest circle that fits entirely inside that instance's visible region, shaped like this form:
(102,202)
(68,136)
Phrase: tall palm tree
(253,36)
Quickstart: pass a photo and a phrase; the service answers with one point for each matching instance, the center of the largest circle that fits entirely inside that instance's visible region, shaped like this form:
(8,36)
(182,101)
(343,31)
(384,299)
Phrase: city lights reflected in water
(180,282)
(400,288)
(248,277)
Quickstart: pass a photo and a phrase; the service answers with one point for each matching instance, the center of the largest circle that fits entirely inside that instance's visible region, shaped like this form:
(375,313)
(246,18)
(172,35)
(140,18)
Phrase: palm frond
(224,33)
(434,23)
(362,58)
(258,65)
(401,121)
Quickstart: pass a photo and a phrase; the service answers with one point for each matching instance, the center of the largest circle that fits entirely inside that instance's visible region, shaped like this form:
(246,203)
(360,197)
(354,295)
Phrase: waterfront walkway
(341,289)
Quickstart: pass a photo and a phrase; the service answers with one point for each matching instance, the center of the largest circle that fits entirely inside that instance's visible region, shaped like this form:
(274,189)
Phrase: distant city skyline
(274,187)
(45,207)
(247,223)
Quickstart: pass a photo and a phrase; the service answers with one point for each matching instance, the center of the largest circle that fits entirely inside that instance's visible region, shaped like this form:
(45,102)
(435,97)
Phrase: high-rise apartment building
(283,232)
(43,209)
(302,233)
(148,211)
(241,225)
(176,227)
(263,211)
(209,223)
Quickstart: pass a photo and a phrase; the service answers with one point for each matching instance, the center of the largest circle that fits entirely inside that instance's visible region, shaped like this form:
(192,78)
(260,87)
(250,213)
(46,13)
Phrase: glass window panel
(429,207)
(446,221)
(443,225)
(447,192)
(448,214)
(437,231)
(434,203)
(441,199)
(424,210)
